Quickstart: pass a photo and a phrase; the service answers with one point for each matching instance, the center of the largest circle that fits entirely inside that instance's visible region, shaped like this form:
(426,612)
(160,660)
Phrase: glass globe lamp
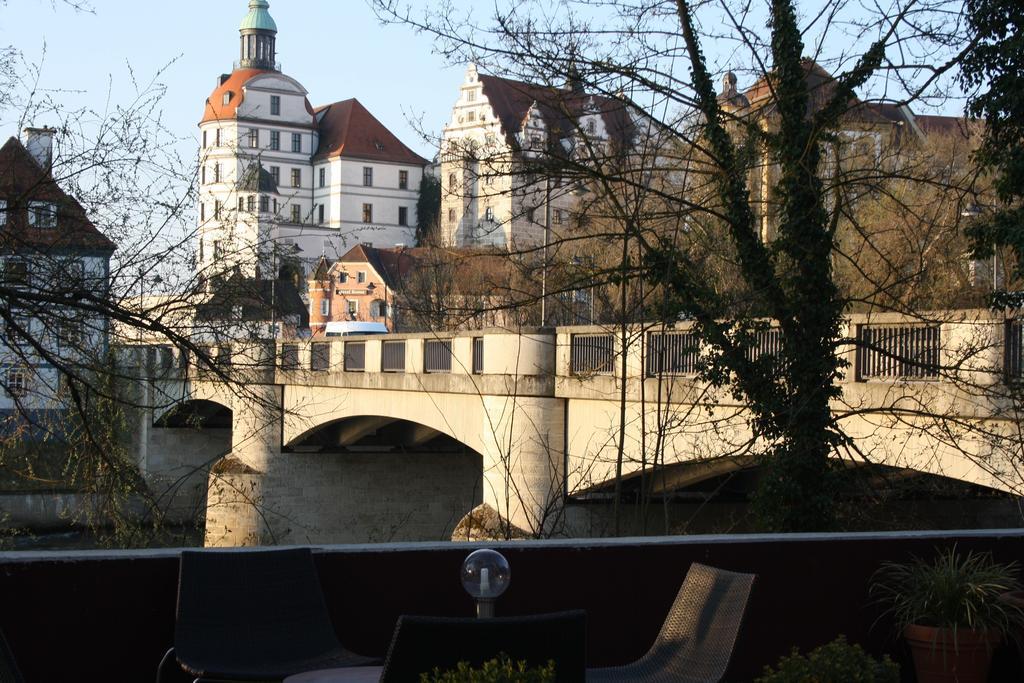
(485,576)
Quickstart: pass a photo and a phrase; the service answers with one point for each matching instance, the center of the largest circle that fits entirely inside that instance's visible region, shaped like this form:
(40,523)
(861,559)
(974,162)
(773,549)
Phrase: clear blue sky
(335,48)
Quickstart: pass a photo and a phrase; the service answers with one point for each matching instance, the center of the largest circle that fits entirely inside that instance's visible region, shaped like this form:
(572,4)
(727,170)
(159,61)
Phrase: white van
(346,328)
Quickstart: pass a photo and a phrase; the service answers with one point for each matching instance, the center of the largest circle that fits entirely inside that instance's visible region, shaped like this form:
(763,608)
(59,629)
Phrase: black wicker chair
(699,633)
(421,644)
(9,672)
(253,616)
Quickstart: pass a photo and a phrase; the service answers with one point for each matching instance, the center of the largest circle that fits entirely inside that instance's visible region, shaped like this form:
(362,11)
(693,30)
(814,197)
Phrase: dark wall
(79,616)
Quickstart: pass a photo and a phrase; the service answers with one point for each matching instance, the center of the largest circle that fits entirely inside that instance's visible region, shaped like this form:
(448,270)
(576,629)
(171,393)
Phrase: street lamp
(485,576)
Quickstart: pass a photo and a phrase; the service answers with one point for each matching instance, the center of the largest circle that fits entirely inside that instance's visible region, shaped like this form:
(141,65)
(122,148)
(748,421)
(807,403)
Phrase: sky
(336,48)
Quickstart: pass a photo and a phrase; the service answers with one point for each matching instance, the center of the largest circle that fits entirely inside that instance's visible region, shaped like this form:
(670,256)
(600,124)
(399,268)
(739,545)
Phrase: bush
(837,662)
(499,670)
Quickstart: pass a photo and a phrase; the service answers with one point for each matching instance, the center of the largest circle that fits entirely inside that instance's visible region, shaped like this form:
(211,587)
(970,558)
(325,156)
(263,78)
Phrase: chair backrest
(9,672)
(238,610)
(422,643)
(700,630)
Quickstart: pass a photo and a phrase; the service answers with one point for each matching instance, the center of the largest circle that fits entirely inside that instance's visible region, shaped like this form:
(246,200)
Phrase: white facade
(488,197)
(318,203)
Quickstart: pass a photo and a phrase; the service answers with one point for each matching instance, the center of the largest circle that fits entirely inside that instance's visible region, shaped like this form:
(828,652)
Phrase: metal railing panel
(392,356)
(437,355)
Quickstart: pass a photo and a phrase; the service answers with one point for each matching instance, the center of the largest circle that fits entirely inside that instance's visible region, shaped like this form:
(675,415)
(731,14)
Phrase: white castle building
(283,183)
(501,153)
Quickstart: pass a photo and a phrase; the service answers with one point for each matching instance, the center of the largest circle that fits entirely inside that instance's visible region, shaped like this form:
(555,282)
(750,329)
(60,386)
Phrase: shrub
(836,662)
(498,670)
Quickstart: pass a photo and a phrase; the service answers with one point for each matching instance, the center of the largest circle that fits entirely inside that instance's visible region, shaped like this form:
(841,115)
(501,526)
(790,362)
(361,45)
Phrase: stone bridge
(397,437)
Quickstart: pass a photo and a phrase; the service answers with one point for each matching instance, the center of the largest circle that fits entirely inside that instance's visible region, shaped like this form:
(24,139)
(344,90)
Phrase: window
(204,139)
(70,335)
(296,177)
(241,204)
(218,250)
(361,277)
(489,213)
(471,116)
(323,177)
(451,182)
(275,205)
(264,203)
(471,95)
(591,126)
(275,105)
(403,180)
(254,138)
(296,214)
(216,209)
(320,214)
(42,214)
(367,213)
(403,215)
(451,215)
(557,217)
(343,277)
(275,140)
(16,271)
(377,309)
(325,307)
(16,382)
(367,176)
(353,308)
(216,173)
(202,212)
(202,174)
(531,215)
(227,98)
(218,137)
(296,142)
(275,173)
(250,203)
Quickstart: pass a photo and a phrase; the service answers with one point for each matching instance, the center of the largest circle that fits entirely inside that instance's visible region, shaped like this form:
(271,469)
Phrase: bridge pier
(237,510)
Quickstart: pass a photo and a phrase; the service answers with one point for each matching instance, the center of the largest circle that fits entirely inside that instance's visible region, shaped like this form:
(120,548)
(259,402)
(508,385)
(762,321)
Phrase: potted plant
(951,610)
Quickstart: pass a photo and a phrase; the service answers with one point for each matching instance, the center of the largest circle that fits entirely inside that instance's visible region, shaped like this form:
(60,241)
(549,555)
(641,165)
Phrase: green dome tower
(259,38)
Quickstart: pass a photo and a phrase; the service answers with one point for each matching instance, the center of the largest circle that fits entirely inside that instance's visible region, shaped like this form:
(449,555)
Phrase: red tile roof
(511,101)
(821,87)
(348,129)
(22,180)
(392,265)
(216,110)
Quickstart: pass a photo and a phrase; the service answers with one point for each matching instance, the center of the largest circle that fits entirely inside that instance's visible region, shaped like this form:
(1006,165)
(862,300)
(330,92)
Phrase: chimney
(39,143)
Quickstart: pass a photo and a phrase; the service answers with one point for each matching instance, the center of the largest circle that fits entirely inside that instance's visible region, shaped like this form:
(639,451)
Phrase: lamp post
(485,576)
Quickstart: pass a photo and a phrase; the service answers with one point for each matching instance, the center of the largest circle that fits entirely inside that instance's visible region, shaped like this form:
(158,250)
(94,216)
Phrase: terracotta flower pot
(938,658)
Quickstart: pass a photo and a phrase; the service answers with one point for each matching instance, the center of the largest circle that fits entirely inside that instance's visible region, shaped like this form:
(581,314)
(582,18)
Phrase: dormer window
(227,97)
(379,145)
(42,214)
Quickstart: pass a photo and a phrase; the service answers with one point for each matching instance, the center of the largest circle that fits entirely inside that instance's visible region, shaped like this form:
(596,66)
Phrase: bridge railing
(485,352)
(969,346)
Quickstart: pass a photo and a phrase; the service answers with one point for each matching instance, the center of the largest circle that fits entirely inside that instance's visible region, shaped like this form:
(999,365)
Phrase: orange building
(359,286)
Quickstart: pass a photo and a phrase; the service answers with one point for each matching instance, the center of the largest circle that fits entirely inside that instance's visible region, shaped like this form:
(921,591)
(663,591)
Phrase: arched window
(451,181)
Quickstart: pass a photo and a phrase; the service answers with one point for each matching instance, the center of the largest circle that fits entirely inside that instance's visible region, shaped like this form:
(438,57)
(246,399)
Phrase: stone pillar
(238,511)
(524,461)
